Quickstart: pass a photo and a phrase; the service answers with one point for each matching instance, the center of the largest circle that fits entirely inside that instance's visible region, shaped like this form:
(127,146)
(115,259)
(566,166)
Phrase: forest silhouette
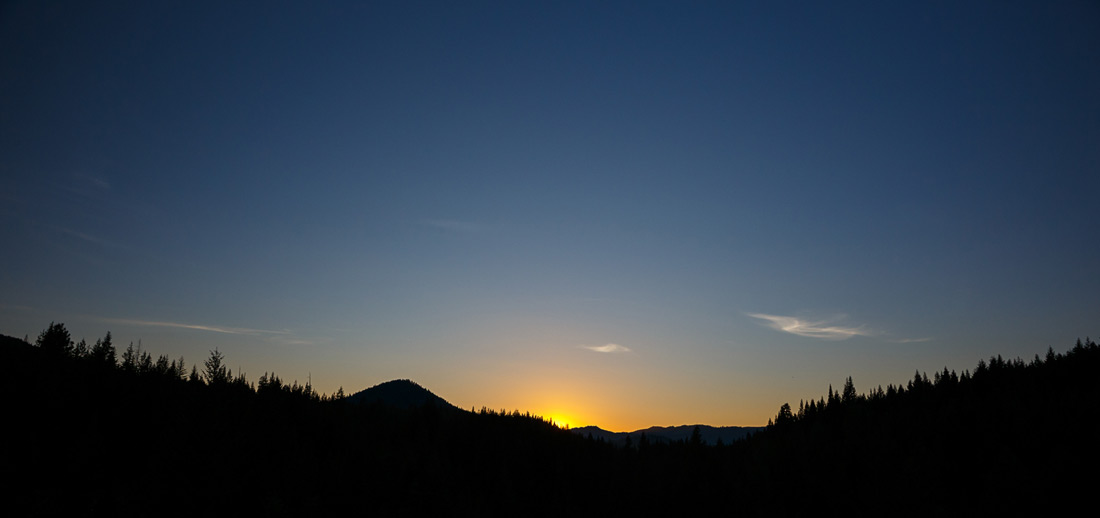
(94,431)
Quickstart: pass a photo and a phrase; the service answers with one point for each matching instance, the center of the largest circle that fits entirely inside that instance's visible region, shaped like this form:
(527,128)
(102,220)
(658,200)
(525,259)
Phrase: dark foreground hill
(90,434)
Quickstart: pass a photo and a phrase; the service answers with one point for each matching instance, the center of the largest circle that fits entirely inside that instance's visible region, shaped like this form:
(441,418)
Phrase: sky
(621,214)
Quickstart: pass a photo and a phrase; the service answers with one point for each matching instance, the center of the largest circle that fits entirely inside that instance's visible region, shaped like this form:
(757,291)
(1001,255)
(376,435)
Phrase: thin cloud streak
(178,325)
(608,348)
(819,329)
(911,340)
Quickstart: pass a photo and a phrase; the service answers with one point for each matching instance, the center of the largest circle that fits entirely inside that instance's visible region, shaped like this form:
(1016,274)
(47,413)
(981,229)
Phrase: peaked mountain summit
(400,394)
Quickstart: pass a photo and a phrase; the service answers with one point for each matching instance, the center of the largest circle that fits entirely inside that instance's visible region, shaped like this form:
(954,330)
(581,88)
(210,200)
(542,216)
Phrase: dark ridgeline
(709,435)
(92,432)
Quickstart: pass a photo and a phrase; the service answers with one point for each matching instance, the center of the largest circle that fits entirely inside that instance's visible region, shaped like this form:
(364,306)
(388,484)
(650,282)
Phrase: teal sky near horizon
(614,213)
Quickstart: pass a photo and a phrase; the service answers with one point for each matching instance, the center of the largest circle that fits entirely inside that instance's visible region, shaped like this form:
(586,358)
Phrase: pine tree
(784,416)
(80,350)
(130,358)
(849,393)
(56,339)
(214,369)
(103,352)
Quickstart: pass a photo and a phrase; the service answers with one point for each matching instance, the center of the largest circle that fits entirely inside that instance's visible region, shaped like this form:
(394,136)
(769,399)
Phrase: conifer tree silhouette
(214,370)
(849,393)
(103,352)
(55,339)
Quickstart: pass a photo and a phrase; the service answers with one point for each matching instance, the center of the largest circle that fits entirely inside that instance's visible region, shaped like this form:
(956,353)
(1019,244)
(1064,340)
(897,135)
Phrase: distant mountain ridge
(401,393)
(406,394)
(666,434)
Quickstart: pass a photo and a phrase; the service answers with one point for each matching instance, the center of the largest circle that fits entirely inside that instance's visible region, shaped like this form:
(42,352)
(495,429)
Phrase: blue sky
(623,214)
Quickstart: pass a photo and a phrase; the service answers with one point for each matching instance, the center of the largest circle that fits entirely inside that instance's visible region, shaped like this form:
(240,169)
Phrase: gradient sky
(620,214)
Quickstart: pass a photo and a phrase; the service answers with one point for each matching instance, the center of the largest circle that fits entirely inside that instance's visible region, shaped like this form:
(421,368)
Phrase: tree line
(56,341)
(96,432)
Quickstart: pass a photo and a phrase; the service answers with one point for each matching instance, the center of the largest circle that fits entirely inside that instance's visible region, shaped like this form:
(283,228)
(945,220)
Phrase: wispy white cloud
(453,225)
(198,327)
(822,329)
(608,348)
(911,340)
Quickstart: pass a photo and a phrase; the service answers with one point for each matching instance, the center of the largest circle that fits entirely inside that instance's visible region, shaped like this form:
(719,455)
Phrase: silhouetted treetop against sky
(55,339)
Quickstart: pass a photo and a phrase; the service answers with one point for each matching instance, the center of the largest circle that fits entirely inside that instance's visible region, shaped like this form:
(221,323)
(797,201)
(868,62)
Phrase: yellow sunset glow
(561,421)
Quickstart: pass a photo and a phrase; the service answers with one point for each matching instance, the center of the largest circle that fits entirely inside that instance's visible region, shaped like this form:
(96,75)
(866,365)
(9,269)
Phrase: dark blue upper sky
(750,200)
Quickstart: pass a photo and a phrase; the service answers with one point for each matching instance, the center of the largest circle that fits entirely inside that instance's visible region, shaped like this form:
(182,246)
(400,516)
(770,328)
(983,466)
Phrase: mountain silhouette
(400,394)
(666,434)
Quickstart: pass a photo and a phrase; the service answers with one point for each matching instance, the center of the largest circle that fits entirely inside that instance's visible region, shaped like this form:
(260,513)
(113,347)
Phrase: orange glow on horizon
(561,421)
